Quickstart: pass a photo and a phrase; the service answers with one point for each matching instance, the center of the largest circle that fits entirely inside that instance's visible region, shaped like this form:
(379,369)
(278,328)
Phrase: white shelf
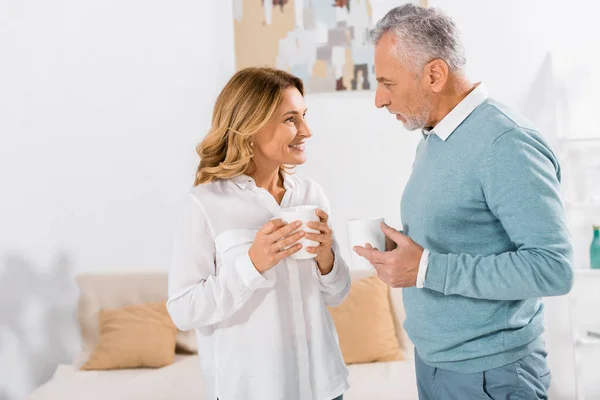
(578,140)
(587,272)
(582,204)
(587,341)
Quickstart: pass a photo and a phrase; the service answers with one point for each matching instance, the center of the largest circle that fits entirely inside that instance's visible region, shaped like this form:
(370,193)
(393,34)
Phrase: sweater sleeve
(520,179)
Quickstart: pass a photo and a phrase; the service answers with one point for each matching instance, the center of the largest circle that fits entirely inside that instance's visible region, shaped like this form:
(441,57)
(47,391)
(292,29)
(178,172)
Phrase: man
(484,233)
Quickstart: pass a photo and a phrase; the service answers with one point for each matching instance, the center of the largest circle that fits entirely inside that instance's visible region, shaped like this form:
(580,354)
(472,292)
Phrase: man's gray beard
(421,120)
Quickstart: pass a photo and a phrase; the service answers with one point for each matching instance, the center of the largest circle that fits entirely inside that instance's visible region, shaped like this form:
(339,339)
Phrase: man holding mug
(484,233)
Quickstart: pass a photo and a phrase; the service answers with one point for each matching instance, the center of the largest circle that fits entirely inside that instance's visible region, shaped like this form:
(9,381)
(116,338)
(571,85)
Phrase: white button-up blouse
(260,336)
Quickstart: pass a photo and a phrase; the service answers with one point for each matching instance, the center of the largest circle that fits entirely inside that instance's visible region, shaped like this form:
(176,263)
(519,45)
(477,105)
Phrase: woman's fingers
(322,215)
(286,253)
(281,244)
(319,226)
(319,237)
(283,231)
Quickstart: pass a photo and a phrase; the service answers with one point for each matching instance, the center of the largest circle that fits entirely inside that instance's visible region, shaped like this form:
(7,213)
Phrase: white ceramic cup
(361,232)
(303,214)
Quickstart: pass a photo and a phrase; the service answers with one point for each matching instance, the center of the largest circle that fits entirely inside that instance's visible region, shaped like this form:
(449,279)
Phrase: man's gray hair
(424,34)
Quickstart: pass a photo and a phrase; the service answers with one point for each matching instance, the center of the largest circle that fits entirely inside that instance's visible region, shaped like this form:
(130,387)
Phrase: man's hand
(398,267)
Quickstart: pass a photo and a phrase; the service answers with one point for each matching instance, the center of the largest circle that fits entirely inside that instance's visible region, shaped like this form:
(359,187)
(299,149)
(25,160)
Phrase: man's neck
(457,88)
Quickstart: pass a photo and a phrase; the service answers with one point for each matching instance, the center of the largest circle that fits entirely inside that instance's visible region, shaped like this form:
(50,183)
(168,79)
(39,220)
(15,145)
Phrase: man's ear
(435,75)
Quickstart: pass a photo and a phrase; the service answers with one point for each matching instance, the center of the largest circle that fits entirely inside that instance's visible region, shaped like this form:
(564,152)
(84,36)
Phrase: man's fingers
(390,245)
(372,255)
(391,233)
(369,246)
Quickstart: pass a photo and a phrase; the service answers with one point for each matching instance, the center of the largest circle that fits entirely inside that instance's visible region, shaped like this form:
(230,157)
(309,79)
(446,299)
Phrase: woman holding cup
(255,265)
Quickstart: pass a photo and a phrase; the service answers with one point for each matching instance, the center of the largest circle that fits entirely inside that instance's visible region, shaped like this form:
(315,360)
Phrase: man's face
(399,89)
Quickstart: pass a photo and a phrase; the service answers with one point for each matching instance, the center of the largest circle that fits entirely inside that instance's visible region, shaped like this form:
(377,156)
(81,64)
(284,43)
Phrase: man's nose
(381,98)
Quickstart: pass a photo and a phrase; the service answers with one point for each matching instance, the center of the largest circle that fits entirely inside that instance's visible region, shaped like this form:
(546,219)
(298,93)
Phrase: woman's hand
(270,242)
(323,251)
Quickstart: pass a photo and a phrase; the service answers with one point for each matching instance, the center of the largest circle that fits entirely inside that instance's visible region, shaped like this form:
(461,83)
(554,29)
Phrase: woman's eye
(290,119)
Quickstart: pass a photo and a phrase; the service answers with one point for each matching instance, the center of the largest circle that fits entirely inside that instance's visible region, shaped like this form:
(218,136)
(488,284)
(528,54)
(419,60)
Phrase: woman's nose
(304,130)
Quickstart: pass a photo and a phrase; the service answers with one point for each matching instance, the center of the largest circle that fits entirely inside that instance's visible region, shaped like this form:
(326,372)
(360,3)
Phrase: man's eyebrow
(383,79)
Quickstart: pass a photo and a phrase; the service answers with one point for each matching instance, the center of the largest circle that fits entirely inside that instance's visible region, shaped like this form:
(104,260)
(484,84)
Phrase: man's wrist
(422,269)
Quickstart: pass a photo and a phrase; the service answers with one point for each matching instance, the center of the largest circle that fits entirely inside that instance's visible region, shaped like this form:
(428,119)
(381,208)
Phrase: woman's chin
(295,159)
(299,161)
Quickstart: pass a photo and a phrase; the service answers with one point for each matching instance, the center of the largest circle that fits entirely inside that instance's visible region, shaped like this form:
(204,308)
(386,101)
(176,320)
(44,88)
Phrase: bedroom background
(103,102)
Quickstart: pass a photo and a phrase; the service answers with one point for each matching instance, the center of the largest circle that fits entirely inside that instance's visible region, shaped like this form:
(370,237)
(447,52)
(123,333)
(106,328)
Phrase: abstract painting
(324,42)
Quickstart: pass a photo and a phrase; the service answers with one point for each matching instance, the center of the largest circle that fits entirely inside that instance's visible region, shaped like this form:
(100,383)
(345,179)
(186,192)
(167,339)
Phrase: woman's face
(282,140)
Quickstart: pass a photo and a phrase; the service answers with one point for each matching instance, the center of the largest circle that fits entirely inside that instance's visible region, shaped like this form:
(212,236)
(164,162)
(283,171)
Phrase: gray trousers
(526,379)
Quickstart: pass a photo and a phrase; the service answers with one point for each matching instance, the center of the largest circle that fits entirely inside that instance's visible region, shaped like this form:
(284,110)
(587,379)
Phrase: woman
(261,319)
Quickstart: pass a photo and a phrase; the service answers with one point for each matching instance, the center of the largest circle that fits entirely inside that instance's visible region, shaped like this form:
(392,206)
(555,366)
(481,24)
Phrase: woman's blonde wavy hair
(244,106)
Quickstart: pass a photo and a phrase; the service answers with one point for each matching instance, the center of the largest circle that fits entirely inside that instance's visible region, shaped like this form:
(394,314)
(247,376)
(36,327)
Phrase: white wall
(102,103)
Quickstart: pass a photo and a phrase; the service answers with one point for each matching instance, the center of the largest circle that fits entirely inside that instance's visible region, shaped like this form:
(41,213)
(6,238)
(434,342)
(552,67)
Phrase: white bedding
(182,380)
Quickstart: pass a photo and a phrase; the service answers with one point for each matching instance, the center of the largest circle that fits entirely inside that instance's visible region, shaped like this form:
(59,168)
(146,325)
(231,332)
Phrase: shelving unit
(579,140)
(588,272)
(582,342)
(587,341)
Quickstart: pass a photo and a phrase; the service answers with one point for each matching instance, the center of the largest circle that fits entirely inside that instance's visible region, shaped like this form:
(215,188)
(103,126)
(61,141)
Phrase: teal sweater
(486,203)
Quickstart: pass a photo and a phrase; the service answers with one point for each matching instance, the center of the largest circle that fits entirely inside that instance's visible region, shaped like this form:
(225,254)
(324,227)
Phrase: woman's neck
(269,179)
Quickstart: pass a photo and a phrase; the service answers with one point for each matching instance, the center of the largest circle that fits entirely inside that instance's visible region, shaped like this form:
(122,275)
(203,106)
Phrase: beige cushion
(134,337)
(365,323)
(110,291)
(398,310)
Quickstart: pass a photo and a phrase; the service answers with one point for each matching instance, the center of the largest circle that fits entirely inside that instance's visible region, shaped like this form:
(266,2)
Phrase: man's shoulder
(493,119)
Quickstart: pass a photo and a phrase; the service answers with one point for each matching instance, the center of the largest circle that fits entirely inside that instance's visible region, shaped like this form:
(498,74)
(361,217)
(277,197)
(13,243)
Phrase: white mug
(361,232)
(303,214)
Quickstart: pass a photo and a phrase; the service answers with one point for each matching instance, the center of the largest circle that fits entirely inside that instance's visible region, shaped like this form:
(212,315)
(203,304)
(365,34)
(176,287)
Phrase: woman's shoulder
(308,186)
(205,192)
(304,183)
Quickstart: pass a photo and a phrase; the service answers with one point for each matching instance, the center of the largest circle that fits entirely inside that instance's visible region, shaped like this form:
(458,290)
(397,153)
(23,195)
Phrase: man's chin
(411,127)
(408,125)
